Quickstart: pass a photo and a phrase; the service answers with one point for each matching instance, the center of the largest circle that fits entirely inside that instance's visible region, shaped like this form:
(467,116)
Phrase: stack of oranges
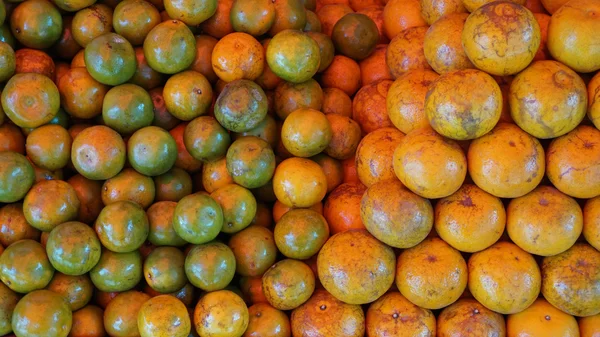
(299,168)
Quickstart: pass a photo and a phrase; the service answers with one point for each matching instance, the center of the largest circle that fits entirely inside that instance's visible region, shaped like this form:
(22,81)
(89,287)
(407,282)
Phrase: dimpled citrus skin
(238,56)
(393,315)
(30,100)
(299,182)
(164,316)
(467,317)
(293,56)
(594,100)
(501,38)
(443,44)
(548,99)
(42,313)
(463,104)
(542,317)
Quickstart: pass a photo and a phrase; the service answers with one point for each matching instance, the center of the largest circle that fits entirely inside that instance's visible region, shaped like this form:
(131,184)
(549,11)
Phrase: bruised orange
(443,44)
(541,318)
(472,5)
(432,10)
(467,316)
(405,51)
(393,315)
(594,100)
(374,155)
(221,313)
(375,12)
(369,106)
(290,97)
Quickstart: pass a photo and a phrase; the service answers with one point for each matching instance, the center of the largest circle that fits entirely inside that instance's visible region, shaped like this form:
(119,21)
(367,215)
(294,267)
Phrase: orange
(299,182)
(374,161)
(570,280)
(98,153)
(238,56)
(80,94)
(544,21)
(326,49)
(504,278)
(374,68)
(590,326)
(332,168)
(355,35)
(501,38)
(394,215)
(324,315)
(405,52)
(594,100)
(443,44)
(252,17)
(267,321)
(375,12)
(535,6)
(279,209)
(467,317)
(399,15)
(547,99)
(293,56)
(221,313)
(429,164)
(11,138)
(393,315)
(184,160)
(463,104)
(254,250)
(541,319)
(432,10)
(369,106)
(343,73)
(354,258)
(432,274)
(88,322)
(163,316)
(349,168)
(205,44)
(50,203)
(129,185)
(471,219)
(300,234)
(572,37)
(591,222)
(342,207)
(544,222)
(306,132)
(406,97)
(507,162)
(14,226)
(219,24)
(187,95)
(190,13)
(288,284)
(289,14)
(30,100)
(573,162)
(358,5)
(34,61)
(251,288)
(472,5)
(553,5)
(215,175)
(329,15)
(290,97)
(346,135)
(238,205)
(49,147)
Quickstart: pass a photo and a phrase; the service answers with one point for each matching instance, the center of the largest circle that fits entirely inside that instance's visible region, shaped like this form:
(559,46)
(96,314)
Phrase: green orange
(355,35)
(133,19)
(164,269)
(49,147)
(163,316)
(73,248)
(239,207)
(110,59)
(170,47)
(98,153)
(198,218)
(50,203)
(288,284)
(127,108)
(293,55)
(117,271)
(205,139)
(8,59)
(210,266)
(151,151)
(36,23)
(250,162)
(42,313)
(187,95)
(160,219)
(76,290)
(16,176)
(24,267)
(120,316)
(300,233)
(241,106)
(30,99)
(190,12)
(122,226)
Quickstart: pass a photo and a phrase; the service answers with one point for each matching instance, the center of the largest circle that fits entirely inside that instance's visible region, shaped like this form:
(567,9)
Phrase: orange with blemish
(369,106)
(443,44)
(541,319)
(501,38)
(405,52)
(393,315)
(405,100)
(375,13)
(395,215)
(332,168)
(215,175)
(342,207)
(573,162)
(467,317)
(594,100)
(507,162)
(346,135)
(399,15)
(429,164)
(471,219)
(288,284)
(336,101)
(238,56)
(591,222)
(472,5)
(374,155)
(433,10)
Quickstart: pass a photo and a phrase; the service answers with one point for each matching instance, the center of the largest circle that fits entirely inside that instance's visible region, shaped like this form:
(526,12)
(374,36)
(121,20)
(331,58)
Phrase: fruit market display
(299,168)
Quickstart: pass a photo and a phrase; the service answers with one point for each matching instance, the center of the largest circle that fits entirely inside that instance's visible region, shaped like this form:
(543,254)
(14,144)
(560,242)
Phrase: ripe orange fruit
(299,182)
(368,106)
(432,10)
(504,278)
(342,207)
(221,313)
(541,318)
(374,161)
(267,321)
(589,326)
(472,5)
(405,51)
(306,132)
(343,73)
(571,35)
(238,56)
(399,15)
(548,99)
(279,209)
(429,164)
(374,68)
(443,44)
(336,101)
(290,97)
(324,315)
(468,317)
(594,100)
(375,12)
(300,233)
(562,282)
(345,138)
(288,284)
(330,14)
(463,104)
(471,219)
(544,222)
(406,97)
(288,15)
(544,21)
(507,162)
(395,215)
(293,56)
(501,38)
(352,258)
(573,162)
(553,5)
(591,222)
(393,315)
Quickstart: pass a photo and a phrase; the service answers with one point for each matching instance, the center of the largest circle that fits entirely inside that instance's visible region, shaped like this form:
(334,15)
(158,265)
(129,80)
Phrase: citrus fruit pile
(277,168)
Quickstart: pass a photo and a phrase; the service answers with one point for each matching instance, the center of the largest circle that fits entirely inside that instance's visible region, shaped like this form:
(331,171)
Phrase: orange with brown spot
(405,52)
(238,56)
(346,135)
(432,10)
(467,317)
(374,155)
(337,102)
(591,222)
(393,315)
(544,21)
(540,319)
(288,284)
(369,106)
(443,44)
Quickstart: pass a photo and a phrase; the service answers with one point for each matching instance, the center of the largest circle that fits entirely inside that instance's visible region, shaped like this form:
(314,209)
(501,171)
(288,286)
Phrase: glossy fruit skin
(117,271)
(374,155)
(252,17)
(133,19)
(514,30)
(49,147)
(293,56)
(290,97)
(30,99)
(288,284)
(355,36)
(574,295)
(160,219)
(238,205)
(129,185)
(76,290)
(16,176)
(88,322)
(187,95)
(73,248)
(300,233)
(224,312)
(467,315)
(163,316)
(210,266)
(241,106)
(306,132)
(541,317)
(8,58)
(50,203)
(91,22)
(14,226)
(173,185)
(392,313)
(254,250)
(110,59)
(250,161)
(189,12)
(127,108)
(238,56)
(98,153)
(120,316)
(198,218)
(168,41)
(151,151)
(36,24)
(42,313)
(122,226)
(267,321)
(405,51)
(80,94)
(504,263)
(8,301)
(24,266)
(164,269)
(206,139)
(324,315)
